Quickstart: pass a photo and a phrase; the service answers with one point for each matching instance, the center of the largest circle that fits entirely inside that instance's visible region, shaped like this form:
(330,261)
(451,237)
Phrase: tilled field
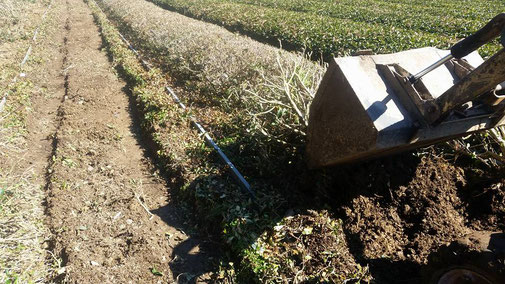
(100,186)
(109,213)
(389,215)
(133,195)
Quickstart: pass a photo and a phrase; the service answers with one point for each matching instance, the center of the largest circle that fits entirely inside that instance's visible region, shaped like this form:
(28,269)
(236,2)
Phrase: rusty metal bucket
(362,111)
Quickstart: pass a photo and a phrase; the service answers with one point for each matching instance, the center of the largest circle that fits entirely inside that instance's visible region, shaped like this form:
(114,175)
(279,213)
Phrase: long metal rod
(233,170)
(235,173)
(430,68)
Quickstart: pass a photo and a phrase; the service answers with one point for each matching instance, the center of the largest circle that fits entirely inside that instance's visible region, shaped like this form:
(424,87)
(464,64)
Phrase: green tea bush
(336,28)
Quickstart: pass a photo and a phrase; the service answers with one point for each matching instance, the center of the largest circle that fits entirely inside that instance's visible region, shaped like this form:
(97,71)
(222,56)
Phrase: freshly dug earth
(418,215)
(100,187)
(396,227)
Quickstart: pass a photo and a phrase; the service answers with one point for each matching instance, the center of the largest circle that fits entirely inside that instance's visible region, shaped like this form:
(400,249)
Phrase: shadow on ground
(302,191)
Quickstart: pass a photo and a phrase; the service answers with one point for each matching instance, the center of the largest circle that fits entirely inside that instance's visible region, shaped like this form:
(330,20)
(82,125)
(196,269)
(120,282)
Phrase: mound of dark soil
(403,225)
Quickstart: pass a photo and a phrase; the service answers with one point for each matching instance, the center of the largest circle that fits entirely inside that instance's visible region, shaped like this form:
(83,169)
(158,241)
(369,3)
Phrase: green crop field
(334,28)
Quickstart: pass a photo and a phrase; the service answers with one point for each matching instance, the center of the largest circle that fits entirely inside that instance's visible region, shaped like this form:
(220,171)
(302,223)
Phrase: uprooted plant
(283,99)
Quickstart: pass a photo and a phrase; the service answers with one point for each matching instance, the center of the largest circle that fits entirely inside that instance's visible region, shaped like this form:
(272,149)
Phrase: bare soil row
(110,215)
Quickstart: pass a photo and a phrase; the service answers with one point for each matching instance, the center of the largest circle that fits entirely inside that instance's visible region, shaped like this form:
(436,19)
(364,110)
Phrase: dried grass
(13,20)
(22,232)
(9,10)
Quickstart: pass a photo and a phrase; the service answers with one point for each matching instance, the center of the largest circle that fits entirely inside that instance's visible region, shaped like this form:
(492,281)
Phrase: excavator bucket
(366,107)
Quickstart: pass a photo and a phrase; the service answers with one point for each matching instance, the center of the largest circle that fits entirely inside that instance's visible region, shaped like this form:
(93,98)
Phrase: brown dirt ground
(98,179)
(423,204)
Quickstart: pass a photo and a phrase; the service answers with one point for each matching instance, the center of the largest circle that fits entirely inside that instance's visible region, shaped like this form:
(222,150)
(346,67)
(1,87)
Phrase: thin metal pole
(235,173)
(430,68)
(233,170)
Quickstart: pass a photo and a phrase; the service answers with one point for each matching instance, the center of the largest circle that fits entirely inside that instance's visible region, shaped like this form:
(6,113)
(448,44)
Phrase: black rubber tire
(468,261)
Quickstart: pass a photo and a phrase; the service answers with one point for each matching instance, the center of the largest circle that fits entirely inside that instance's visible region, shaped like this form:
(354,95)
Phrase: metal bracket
(480,81)
(460,67)
(414,97)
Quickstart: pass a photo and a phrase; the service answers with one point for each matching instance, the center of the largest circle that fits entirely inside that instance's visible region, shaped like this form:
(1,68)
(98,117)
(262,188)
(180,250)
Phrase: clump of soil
(419,216)
(439,205)
(484,198)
